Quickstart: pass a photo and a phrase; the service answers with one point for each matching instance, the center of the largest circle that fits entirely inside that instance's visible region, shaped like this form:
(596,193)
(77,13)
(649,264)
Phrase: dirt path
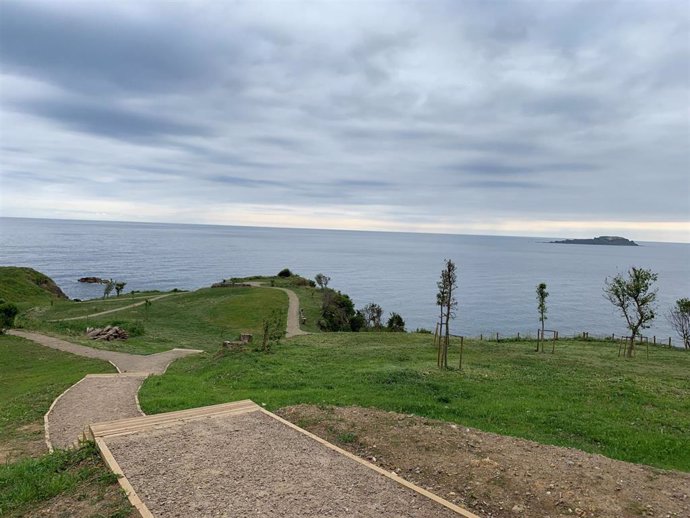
(97,398)
(293,328)
(497,476)
(115,310)
(123,362)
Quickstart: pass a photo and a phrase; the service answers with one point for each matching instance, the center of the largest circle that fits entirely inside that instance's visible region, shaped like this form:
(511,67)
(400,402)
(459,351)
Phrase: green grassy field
(201,319)
(583,396)
(31,377)
(26,287)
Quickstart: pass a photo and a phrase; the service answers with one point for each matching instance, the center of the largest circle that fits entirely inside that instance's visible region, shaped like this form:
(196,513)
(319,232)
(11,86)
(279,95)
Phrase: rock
(518,509)
(107,333)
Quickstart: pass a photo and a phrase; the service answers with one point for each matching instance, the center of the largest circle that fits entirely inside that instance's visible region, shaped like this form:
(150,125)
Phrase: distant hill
(601,240)
(27,287)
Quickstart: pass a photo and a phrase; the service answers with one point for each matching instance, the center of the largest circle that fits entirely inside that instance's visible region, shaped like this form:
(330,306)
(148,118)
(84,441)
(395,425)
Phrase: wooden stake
(462,339)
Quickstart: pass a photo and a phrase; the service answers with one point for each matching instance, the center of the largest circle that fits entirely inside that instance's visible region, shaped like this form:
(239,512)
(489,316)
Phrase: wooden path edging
(101,431)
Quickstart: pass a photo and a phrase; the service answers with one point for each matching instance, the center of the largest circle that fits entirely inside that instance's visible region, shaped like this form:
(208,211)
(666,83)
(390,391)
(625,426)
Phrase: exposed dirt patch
(498,476)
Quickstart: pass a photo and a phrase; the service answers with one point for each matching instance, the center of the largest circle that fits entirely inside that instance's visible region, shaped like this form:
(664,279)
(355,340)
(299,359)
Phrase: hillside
(26,287)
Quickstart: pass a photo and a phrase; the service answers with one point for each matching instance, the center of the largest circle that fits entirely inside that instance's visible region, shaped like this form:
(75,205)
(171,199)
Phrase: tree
(337,311)
(285,272)
(372,315)
(679,318)
(396,323)
(109,286)
(7,313)
(119,286)
(322,280)
(445,299)
(634,297)
(541,307)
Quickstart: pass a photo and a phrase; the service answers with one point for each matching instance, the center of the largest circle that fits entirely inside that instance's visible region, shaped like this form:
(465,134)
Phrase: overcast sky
(550,118)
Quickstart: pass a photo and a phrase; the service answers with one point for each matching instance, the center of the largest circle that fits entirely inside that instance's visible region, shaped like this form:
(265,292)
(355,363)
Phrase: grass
(76,477)
(71,481)
(583,396)
(200,319)
(32,377)
(26,287)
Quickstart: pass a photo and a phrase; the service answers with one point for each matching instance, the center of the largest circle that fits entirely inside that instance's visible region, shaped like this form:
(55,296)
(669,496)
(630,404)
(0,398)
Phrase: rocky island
(601,240)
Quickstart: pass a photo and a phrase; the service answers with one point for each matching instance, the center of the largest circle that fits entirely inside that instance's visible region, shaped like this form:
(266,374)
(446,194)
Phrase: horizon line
(330,229)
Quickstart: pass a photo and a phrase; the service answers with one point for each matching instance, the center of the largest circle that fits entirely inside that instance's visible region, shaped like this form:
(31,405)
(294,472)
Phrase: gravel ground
(253,465)
(95,398)
(152,363)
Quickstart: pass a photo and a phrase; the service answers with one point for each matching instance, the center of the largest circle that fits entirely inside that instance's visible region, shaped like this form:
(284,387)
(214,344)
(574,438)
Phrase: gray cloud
(387,110)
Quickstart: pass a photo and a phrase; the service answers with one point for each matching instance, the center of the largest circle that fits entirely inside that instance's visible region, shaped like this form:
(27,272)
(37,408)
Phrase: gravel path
(124,362)
(97,397)
(293,310)
(254,465)
(108,311)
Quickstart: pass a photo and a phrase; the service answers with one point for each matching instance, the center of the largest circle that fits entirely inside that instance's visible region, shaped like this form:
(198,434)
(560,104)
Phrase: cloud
(410,115)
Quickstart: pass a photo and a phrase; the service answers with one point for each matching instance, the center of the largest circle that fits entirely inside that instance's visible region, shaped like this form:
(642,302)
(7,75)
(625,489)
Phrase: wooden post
(647,342)
(496,337)
(481,337)
(669,341)
(462,340)
(654,339)
(518,335)
(613,336)
(553,345)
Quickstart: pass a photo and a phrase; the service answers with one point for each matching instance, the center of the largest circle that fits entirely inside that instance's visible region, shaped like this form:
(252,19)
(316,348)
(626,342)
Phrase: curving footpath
(98,397)
(106,397)
(114,310)
(293,328)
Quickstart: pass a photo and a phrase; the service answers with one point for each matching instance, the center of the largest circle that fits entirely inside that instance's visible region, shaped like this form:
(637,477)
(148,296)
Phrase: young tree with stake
(445,299)
(541,306)
(679,318)
(634,297)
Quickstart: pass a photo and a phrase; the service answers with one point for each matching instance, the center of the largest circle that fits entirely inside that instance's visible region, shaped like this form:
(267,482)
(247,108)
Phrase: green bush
(8,311)
(337,312)
(285,272)
(396,323)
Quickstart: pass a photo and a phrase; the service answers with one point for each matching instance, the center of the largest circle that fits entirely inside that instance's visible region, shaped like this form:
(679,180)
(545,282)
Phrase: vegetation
(445,299)
(32,377)
(119,286)
(285,272)
(582,398)
(322,280)
(198,320)
(77,475)
(395,323)
(26,287)
(338,312)
(8,311)
(541,307)
(679,318)
(634,296)
(273,328)
(372,316)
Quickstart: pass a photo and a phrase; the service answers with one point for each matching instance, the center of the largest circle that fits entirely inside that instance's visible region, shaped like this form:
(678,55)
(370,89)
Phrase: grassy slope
(200,319)
(583,396)
(26,287)
(32,377)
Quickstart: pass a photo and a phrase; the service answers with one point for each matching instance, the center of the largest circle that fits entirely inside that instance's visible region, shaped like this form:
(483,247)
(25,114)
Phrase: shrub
(422,331)
(7,313)
(285,272)
(336,312)
(395,323)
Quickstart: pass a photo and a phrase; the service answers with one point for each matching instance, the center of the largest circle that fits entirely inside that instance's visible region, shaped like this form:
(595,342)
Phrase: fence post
(496,337)
(669,341)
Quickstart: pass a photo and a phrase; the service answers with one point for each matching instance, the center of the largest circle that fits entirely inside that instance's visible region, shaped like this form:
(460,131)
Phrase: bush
(337,312)
(285,272)
(395,323)
(422,331)
(7,313)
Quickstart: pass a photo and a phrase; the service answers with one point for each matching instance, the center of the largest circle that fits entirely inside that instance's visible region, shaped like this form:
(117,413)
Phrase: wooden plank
(132,496)
(136,424)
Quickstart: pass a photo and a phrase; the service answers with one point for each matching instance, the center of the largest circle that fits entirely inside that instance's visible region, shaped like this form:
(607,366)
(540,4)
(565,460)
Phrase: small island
(601,240)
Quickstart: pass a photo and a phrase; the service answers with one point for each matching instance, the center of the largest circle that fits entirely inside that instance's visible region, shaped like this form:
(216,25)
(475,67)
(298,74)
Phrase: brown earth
(497,476)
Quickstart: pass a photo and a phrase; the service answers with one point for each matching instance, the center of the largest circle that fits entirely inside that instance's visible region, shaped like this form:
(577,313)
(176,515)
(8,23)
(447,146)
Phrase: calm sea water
(497,275)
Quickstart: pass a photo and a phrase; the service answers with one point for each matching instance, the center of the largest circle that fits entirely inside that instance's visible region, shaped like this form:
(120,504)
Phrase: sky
(551,118)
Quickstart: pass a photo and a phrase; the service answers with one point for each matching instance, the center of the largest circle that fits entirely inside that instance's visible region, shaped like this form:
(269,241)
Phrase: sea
(497,275)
